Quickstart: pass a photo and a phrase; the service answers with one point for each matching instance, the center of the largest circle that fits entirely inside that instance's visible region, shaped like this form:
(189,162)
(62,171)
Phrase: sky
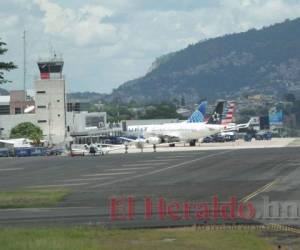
(105,43)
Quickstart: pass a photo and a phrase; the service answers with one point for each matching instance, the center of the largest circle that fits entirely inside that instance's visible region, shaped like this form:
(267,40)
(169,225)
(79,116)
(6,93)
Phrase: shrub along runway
(194,176)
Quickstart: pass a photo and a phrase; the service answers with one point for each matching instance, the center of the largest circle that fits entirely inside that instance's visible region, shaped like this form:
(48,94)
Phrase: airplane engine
(140,144)
(154,140)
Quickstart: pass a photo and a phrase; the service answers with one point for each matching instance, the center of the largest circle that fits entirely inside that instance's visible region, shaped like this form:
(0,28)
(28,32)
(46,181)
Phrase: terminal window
(18,111)
(77,107)
(70,107)
(73,107)
(94,121)
(4,109)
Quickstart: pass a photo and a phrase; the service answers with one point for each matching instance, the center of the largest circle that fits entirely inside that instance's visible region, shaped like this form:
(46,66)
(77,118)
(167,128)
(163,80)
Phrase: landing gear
(154,148)
(193,143)
(172,145)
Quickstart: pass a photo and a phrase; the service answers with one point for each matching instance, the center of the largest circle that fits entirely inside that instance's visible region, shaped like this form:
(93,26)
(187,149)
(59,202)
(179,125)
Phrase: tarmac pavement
(180,176)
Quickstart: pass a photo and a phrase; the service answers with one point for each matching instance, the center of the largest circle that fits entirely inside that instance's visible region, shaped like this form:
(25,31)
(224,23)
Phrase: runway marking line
(11,169)
(158,161)
(171,157)
(143,164)
(108,174)
(183,164)
(177,156)
(45,209)
(263,189)
(59,185)
(86,179)
(127,169)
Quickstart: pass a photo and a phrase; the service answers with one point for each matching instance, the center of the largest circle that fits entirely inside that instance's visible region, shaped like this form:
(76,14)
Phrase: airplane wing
(114,149)
(170,134)
(7,142)
(237,127)
(128,139)
(107,145)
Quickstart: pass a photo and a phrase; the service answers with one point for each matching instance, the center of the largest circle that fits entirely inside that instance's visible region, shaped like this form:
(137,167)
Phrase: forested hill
(265,60)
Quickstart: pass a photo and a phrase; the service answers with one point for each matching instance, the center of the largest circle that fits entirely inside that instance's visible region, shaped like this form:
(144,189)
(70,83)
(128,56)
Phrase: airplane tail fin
(199,114)
(250,122)
(216,117)
(228,114)
(247,125)
(223,113)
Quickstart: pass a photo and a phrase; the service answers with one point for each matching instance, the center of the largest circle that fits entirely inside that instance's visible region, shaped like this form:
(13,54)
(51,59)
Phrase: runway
(193,176)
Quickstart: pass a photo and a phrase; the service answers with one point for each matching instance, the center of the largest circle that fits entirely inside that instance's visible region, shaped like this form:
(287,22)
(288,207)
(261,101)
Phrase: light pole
(1,129)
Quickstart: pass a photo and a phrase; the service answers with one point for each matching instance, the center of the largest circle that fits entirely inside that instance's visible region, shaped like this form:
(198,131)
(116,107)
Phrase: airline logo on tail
(228,114)
(223,113)
(199,114)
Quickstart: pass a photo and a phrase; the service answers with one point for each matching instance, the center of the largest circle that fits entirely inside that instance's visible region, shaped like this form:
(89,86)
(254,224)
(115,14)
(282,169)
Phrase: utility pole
(24,63)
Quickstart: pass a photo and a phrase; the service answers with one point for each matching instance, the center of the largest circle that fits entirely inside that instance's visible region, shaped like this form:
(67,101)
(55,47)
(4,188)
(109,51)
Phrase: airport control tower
(50,100)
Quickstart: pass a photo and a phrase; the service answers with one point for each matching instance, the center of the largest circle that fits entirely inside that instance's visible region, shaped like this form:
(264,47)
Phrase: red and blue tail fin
(228,113)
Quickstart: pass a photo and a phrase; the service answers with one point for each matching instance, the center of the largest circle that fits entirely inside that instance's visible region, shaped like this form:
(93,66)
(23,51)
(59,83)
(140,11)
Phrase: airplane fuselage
(182,131)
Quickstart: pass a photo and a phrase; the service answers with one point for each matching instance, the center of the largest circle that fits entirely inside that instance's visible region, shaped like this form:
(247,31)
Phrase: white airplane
(17,143)
(183,132)
(196,117)
(103,149)
(79,150)
(93,149)
(238,127)
(186,132)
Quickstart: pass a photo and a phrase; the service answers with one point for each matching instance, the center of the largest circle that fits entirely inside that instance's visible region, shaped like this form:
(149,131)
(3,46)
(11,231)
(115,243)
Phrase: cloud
(107,42)
(230,16)
(157,5)
(8,21)
(84,26)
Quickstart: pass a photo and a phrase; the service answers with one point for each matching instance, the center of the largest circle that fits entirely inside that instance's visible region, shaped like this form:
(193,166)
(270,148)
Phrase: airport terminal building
(50,110)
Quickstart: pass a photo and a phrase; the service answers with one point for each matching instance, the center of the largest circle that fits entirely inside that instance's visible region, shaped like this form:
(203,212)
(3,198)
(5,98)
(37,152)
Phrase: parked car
(219,138)
(230,138)
(268,136)
(208,139)
(259,137)
(248,137)
(56,151)
(265,135)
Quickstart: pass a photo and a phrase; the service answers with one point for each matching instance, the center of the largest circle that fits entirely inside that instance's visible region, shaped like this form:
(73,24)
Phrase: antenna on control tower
(24,63)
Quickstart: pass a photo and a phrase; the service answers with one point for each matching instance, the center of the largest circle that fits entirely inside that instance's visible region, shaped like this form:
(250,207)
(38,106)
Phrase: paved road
(179,176)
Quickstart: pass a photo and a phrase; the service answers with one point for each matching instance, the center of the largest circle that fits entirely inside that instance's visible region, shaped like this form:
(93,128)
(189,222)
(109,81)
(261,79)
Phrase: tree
(27,130)
(161,111)
(182,103)
(3,65)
